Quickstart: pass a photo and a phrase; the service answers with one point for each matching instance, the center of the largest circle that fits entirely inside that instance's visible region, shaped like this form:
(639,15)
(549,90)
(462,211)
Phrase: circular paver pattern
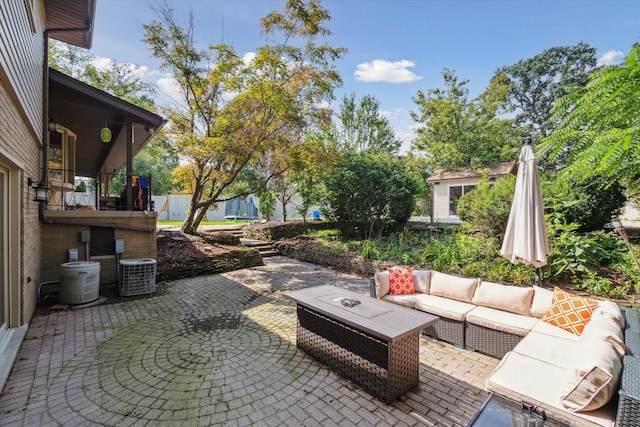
(188,368)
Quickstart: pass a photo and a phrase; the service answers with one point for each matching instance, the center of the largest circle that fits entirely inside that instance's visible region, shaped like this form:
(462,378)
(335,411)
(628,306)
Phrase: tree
(267,204)
(536,83)
(362,127)
(599,126)
(235,111)
(364,191)
(456,132)
(120,79)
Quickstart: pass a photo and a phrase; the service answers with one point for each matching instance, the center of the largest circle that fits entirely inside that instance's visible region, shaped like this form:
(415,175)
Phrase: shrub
(486,209)
(585,202)
(364,192)
(267,204)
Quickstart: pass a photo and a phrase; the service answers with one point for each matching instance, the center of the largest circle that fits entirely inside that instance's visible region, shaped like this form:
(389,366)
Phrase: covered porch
(94,135)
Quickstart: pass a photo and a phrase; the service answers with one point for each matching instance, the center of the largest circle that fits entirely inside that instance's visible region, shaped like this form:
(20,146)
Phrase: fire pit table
(372,343)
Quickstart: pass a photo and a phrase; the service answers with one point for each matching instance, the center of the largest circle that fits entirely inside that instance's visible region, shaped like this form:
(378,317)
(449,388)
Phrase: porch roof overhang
(85,110)
(71,21)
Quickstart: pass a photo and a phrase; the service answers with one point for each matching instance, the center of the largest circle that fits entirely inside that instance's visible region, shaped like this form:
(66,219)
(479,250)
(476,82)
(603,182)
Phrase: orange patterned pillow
(569,312)
(401,281)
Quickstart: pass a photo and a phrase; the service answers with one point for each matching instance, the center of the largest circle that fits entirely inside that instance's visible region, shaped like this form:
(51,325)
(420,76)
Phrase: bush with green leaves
(588,203)
(267,204)
(365,191)
(486,209)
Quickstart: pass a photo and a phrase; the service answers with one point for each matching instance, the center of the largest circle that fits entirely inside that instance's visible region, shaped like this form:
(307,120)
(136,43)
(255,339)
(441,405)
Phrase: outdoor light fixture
(52,125)
(105,134)
(42,192)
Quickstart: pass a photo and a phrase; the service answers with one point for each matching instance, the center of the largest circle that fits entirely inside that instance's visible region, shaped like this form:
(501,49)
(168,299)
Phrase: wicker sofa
(571,377)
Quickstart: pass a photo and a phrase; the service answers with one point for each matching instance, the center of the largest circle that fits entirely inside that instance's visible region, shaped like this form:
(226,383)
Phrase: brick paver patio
(218,350)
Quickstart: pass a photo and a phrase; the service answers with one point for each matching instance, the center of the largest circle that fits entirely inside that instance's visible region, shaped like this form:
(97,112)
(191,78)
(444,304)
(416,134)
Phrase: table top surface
(379,318)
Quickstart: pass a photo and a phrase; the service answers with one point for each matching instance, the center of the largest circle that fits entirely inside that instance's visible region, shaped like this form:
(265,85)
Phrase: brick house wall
(62,229)
(20,154)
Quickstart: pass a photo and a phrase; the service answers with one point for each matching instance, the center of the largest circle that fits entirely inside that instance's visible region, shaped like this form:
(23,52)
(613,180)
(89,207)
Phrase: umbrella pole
(536,281)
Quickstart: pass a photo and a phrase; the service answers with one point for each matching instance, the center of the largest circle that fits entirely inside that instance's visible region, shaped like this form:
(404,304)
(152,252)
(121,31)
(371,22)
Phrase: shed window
(455,192)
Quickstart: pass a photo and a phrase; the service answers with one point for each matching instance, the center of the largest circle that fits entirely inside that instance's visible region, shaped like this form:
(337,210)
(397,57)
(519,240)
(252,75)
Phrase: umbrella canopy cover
(525,239)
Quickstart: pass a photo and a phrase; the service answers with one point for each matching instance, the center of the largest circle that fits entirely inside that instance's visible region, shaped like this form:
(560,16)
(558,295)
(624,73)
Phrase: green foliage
(587,202)
(267,204)
(486,209)
(536,83)
(364,191)
(122,80)
(457,132)
(81,187)
(574,252)
(588,260)
(278,95)
(362,127)
(599,126)
(599,285)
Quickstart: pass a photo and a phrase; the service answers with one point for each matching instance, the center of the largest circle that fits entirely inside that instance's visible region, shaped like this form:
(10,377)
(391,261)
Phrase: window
(455,192)
(62,158)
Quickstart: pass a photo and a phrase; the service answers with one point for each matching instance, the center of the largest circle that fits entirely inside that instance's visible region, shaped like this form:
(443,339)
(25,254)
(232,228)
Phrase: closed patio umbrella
(525,239)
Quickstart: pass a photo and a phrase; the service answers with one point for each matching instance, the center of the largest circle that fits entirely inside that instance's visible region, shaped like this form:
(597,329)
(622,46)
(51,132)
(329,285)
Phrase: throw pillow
(569,312)
(401,281)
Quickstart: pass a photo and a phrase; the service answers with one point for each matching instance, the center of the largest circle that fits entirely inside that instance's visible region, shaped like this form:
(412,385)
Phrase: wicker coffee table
(370,342)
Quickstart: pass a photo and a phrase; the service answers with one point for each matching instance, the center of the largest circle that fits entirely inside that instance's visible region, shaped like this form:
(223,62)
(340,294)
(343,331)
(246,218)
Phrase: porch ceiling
(85,110)
(71,14)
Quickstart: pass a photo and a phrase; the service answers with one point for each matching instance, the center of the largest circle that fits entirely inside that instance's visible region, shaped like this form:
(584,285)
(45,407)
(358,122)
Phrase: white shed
(448,186)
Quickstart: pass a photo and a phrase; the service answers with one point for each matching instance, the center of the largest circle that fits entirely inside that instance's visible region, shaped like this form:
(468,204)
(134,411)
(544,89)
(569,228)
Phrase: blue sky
(395,47)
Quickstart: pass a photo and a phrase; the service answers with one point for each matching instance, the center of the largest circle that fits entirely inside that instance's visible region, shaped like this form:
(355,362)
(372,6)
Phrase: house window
(455,192)
(62,158)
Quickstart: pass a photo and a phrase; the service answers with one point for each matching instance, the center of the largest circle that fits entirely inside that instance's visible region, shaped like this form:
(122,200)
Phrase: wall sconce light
(149,129)
(52,125)
(42,192)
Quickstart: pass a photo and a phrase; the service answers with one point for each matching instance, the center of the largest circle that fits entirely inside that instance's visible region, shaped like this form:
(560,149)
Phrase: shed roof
(497,170)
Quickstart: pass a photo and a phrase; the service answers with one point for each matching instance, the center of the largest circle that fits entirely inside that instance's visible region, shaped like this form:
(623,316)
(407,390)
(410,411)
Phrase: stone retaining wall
(286,230)
(355,263)
(191,267)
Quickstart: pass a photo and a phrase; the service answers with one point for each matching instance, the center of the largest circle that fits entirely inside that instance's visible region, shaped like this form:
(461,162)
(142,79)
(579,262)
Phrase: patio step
(266,249)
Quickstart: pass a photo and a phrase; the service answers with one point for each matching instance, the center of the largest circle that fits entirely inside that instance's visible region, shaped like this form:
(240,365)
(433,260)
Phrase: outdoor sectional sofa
(591,379)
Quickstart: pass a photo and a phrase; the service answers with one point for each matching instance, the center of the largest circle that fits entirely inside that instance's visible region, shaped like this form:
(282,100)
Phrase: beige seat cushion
(523,378)
(454,287)
(514,299)
(500,320)
(541,301)
(547,329)
(407,300)
(593,376)
(612,310)
(443,307)
(603,325)
(421,280)
(551,349)
(381,280)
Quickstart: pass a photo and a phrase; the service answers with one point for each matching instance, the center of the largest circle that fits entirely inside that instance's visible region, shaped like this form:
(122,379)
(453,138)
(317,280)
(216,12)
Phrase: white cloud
(610,58)
(248,57)
(381,70)
(169,87)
